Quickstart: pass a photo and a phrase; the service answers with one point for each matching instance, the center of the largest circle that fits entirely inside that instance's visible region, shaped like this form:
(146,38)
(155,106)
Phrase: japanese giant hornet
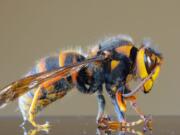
(113,63)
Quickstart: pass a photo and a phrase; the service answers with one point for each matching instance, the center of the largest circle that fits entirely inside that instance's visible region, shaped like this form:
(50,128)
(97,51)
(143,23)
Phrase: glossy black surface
(162,125)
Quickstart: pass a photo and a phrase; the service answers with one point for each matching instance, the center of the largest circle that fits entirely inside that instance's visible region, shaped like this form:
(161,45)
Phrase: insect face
(148,60)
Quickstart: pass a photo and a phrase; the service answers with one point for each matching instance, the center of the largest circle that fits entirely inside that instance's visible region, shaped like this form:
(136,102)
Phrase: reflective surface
(163,125)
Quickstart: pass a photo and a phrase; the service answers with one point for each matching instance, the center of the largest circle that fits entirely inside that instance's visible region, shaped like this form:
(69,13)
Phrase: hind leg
(32,111)
(40,101)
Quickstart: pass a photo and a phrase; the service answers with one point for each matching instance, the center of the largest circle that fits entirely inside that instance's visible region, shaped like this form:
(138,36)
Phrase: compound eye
(149,61)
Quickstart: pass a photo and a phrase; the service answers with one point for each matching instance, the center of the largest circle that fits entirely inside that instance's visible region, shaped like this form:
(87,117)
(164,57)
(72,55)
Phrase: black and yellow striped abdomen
(55,91)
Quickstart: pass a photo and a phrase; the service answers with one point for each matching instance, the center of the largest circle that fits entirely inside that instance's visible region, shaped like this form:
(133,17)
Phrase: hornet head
(148,60)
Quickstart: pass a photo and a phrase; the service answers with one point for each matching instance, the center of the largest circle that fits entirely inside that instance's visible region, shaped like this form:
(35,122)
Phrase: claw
(37,131)
(103,121)
(43,127)
(147,123)
(111,125)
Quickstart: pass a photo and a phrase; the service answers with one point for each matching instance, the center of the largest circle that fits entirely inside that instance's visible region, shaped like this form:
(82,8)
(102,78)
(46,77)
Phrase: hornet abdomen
(55,91)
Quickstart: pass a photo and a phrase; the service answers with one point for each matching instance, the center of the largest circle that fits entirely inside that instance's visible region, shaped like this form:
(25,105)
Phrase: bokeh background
(30,30)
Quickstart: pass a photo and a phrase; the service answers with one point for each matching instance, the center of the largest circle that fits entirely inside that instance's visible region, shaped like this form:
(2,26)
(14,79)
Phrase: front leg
(147,119)
(134,105)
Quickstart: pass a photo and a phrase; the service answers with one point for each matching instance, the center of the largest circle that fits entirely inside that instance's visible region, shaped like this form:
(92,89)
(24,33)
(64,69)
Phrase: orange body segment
(120,101)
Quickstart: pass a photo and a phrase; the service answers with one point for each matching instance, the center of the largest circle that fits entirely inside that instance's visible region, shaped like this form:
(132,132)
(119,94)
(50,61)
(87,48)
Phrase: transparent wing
(19,87)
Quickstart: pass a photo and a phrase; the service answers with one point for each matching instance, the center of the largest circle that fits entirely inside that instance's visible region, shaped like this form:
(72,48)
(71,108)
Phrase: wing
(19,87)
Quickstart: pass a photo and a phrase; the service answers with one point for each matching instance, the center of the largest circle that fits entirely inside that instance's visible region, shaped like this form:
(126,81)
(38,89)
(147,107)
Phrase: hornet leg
(135,107)
(32,111)
(101,106)
(147,119)
(107,123)
(119,112)
(118,102)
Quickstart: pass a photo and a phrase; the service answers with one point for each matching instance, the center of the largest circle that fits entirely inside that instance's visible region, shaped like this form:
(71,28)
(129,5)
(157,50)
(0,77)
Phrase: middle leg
(101,106)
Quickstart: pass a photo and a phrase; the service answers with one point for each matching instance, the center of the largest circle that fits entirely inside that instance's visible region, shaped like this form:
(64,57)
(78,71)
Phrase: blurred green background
(30,30)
